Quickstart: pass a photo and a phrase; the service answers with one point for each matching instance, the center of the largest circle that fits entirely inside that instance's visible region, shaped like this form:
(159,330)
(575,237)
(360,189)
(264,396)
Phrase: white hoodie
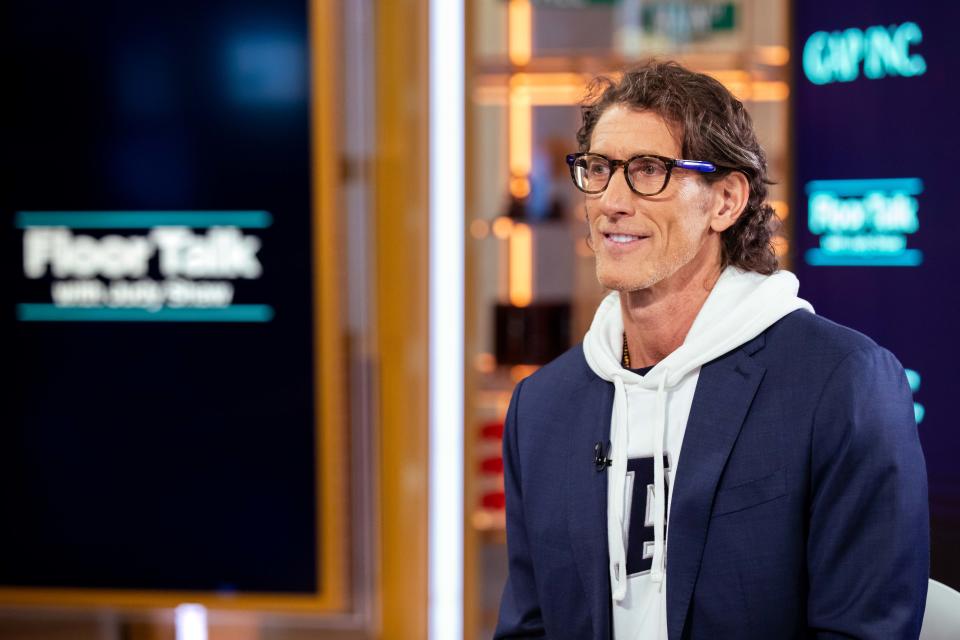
(650,417)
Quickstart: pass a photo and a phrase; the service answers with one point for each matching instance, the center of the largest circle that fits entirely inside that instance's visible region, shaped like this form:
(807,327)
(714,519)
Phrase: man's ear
(732,191)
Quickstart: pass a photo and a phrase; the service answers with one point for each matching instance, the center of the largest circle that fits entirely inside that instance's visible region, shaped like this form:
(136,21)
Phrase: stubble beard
(647,274)
(655,268)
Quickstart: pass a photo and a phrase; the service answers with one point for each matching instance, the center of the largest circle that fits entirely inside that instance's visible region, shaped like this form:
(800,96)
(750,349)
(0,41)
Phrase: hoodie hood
(741,306)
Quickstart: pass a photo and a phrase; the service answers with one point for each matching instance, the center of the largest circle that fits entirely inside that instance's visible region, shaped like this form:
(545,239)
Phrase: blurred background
(271,270)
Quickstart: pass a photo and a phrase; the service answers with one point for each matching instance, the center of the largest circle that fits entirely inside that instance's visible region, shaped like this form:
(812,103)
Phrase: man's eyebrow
(641,152)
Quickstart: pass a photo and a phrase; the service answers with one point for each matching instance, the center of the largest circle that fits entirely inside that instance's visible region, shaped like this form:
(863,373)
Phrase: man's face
(640,241)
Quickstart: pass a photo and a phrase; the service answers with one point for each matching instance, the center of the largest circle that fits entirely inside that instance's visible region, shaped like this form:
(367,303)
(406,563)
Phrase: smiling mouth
(622,238)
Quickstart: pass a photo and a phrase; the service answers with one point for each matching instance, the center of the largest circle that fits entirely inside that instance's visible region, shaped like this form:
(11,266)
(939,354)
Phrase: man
(714,461)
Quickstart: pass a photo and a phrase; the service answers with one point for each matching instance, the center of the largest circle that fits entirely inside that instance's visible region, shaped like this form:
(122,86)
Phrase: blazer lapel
(587,498)
(725,390)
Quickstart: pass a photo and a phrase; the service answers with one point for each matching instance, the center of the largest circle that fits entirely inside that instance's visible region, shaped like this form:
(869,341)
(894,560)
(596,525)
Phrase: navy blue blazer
(799,503)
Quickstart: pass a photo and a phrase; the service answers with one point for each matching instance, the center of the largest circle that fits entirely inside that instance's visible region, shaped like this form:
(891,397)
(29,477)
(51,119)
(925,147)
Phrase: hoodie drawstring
(618,475)
(659,484)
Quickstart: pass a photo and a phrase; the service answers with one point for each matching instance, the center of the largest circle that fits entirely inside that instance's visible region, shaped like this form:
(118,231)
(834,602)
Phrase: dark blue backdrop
(874,106)
(149,455)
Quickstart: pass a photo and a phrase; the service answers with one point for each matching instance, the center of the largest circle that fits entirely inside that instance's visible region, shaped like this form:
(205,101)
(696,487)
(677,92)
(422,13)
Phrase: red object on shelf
(492,465)
(494,500)
(492,431)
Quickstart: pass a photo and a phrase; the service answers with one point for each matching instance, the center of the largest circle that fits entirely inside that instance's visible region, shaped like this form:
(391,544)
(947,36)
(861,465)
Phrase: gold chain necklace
(625,359)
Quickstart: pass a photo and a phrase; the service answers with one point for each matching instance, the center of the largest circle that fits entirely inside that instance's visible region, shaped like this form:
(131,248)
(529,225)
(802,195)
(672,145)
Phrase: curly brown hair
(713,126)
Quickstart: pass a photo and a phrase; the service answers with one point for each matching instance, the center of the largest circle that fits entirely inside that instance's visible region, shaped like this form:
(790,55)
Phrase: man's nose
(617,198)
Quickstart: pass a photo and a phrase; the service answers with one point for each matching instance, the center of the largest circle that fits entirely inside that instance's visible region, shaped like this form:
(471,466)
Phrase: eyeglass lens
(645,174)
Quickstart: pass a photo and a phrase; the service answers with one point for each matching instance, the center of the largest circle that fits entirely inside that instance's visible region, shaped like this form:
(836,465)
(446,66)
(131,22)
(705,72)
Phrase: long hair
(714,126)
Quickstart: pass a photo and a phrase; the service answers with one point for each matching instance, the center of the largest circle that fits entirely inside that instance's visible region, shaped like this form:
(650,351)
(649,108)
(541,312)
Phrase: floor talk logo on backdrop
(864,222)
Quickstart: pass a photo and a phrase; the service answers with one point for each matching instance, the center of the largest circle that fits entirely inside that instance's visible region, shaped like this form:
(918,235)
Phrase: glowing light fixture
(773,55)
(521,133)
(519,29)
(502,227)
(520,187)
(191,622)
(521,265)
(445,517)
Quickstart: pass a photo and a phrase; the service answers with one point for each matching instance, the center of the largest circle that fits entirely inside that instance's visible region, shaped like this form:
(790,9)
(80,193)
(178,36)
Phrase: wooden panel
(402,285)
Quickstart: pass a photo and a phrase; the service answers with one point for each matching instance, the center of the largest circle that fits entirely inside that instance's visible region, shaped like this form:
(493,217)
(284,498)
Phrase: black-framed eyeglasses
(647,175)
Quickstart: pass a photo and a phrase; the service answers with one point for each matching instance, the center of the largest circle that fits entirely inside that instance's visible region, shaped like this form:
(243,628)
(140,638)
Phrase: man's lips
(622,240)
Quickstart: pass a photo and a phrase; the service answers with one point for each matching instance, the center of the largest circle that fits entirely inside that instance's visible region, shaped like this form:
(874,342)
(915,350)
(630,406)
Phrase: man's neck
(657,319)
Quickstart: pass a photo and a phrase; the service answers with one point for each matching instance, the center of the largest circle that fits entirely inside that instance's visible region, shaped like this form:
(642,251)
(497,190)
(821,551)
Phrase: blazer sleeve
(868,548)
(519,606)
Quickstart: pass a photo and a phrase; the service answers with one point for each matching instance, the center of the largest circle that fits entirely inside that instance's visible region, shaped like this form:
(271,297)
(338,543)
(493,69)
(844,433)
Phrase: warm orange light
(502,226)
(519,30)
(520,187)
(764,91)
(479,228)
(781,208)
(558,95)
(780,245)
(537,89)
(548,79)
(774,56)
(521,132)
(485,363)
(521,371)
(743,86)
(521,265)
(559,89)
(729,77)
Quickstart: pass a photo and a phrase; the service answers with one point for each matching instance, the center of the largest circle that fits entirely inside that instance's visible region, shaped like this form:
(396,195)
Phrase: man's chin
(625,283)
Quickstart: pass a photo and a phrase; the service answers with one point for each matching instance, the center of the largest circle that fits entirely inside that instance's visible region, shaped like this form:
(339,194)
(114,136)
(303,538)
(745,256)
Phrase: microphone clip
(600,458)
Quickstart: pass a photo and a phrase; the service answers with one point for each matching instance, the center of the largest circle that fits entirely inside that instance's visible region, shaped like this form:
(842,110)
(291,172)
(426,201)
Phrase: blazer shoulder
(560,377)
(806,335)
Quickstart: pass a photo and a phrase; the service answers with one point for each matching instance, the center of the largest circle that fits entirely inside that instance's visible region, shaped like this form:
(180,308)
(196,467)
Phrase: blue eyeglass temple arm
(696,165)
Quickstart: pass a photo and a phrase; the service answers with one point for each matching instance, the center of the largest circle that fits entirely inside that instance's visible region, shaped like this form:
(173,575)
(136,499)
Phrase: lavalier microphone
(600,458)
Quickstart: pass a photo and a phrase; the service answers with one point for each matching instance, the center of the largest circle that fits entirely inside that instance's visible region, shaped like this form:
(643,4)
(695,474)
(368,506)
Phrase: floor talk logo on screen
(864,222)
(142,266)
